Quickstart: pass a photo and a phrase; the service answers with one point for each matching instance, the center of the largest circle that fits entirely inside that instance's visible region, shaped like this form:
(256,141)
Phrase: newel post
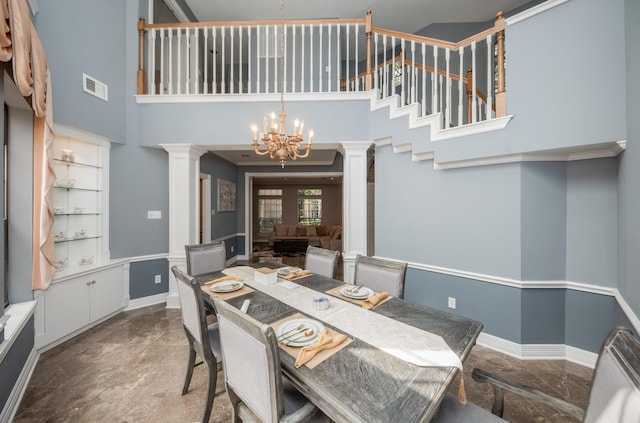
(501,94)
(368,26)
(142,78)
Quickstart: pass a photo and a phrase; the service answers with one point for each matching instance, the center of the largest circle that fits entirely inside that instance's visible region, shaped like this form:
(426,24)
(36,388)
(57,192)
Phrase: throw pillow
(311,231)
(300,231)
(321,230)
(292,230)
(281,230)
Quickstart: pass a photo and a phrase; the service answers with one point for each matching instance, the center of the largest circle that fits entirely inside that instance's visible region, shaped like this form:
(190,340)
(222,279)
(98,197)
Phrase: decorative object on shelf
(58,210)
(61,264)
(66,183)
(80,234)
(60,236)
(78,210)
(67,155)
(275,141)
(226,195)
(87,260)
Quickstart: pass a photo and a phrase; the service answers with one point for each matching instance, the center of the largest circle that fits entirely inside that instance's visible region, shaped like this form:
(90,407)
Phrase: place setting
(226,287)
(360,294)
(293,273)
(308,340)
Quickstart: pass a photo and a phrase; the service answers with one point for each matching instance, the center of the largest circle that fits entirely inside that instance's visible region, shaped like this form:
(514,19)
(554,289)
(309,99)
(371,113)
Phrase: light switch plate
(154,214)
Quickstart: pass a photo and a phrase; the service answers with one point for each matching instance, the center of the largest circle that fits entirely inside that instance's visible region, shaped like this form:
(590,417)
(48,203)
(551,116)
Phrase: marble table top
(363,383)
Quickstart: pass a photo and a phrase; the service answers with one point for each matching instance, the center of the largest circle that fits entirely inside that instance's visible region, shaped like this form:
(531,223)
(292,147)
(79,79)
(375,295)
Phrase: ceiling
(400,15)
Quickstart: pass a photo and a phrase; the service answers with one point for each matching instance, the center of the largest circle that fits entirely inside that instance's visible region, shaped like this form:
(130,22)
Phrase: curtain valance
(20,44)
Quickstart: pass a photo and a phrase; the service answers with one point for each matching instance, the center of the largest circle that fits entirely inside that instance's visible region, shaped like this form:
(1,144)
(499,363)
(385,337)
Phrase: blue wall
(13,363)
(142,278)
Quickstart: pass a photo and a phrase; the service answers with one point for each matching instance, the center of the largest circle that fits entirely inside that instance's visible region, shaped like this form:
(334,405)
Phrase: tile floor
(131,369)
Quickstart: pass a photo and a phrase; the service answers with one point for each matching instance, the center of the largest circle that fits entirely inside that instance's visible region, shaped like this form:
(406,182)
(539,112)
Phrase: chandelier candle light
(274,140)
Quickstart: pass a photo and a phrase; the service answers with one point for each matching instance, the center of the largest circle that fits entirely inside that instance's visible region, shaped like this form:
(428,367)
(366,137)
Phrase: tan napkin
(374,300)
(298,274)
(224,278)
(325,341)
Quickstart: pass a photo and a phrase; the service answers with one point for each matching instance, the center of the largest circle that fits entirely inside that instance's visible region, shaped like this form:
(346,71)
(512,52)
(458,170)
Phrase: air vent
(95,87)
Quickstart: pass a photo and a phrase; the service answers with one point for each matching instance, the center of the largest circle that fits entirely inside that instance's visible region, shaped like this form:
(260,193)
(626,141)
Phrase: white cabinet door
(107,292)
(65,308)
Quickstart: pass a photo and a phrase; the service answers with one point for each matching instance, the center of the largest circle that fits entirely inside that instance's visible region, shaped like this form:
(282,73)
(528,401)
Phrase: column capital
(350,147)
(194,150)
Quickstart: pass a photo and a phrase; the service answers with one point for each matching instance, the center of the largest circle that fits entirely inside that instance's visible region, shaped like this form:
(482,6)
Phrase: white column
(184,175)
(354,193)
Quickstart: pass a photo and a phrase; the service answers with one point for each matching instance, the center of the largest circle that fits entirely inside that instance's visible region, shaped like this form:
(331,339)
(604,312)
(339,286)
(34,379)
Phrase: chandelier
(274,140)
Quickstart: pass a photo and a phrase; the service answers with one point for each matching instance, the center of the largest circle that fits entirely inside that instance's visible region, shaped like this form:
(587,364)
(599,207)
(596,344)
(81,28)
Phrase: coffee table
(297,245)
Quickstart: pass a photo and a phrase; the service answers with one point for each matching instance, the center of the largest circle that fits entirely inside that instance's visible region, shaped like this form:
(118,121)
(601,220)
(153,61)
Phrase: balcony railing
(463,81)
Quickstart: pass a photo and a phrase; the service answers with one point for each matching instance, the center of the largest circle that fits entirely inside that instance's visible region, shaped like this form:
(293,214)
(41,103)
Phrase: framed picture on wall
(226,195)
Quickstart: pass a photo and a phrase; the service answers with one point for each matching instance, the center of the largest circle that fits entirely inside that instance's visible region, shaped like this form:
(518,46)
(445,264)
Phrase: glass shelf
(77,189)
(68,163)
(77,214)
(60,241)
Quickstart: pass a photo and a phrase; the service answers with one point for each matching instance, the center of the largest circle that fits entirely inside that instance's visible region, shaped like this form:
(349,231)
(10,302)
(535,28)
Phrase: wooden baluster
(338,61)
(162,89)
(214,60)
(284,61)
(355,63)
(469,89)
(142,89)
(196,77)
(152,62)
(424,80)
(205,54)
(310,58)
(501,95)
(413,72)
(447,110)
(320,72)
(368,32)
(232,82)
(302,49)
(403,75)
(180,62)
(329,59)
(474,116)
(489,105)
(293,59)
(348,57)
(249,61)
(223,60)
(385,77)
(170,62)
(240,61)
(460,88)
(434,79)
(375,66)
(276,56)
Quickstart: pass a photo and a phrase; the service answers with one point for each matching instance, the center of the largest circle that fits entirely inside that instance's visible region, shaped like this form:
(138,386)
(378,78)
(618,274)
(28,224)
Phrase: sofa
(323,236)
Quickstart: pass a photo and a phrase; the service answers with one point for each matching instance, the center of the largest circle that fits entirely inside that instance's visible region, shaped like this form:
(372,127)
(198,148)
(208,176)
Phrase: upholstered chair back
(615,389)
(321,261)
(189,305)
(205,258)
(381,275)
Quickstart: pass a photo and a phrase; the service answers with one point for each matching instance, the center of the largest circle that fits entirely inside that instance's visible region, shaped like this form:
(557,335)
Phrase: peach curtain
(20,44)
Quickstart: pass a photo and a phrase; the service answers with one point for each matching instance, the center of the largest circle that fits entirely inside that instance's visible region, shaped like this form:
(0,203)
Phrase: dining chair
(381,274)
(203,339)
(614,397)
(321,261)
(252,372)
(205,258)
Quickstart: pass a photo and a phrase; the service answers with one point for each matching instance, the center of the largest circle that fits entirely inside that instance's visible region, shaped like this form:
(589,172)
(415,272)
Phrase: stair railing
(463,81)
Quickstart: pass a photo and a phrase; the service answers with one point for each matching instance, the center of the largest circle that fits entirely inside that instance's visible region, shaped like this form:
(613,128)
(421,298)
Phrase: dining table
(367,380)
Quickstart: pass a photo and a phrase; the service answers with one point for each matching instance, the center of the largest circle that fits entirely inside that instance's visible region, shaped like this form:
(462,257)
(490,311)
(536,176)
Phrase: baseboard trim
(146,301)
(539,351)
(13,402)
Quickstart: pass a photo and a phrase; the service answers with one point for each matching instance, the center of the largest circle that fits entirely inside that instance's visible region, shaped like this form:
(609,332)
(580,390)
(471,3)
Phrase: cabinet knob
(89,283)
(93,282)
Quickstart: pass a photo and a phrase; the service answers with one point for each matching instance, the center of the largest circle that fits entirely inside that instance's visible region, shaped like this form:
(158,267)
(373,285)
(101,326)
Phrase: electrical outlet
(158,278)
(154,214)
(232,248)
(452,303)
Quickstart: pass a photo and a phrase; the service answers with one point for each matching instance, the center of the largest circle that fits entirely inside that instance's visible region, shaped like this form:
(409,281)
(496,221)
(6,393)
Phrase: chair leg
(191,365)
(211,392)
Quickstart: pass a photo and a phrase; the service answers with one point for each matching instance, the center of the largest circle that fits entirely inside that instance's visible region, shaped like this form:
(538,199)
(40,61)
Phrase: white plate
(286,271)
(361,294)
(226,286)
(299,340)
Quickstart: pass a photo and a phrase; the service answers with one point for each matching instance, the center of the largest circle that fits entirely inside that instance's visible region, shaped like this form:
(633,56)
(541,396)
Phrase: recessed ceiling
(398,15)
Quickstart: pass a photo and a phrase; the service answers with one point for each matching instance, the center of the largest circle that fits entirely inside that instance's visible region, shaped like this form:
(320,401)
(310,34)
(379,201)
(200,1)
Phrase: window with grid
(269,209)
(310,206)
